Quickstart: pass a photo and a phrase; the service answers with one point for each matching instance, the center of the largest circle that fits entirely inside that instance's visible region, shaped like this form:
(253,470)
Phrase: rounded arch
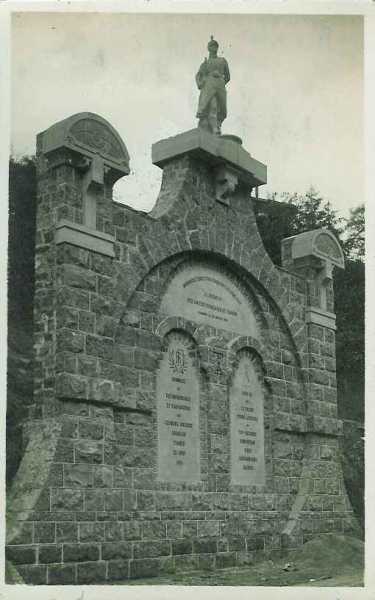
(90,134)
(169,324)
(213,271)
(243,342)
(163,273)
(245,347)
(187,334)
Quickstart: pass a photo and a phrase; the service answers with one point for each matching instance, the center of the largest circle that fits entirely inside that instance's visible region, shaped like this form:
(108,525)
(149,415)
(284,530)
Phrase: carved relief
(326,245)
(81,137)
(177,360)
(320,243)
(96,136)
(226,182)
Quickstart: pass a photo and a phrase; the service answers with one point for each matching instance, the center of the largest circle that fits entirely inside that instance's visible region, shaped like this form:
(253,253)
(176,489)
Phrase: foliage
(285,215)
(352,460)
(275,222)
(354,243)
(349,286)
(22,200)
(11,574)
(312,212)
(21,245)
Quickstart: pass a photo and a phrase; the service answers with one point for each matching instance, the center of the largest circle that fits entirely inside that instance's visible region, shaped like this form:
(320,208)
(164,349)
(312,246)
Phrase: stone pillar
(313,255)
(234,170)
(78,161)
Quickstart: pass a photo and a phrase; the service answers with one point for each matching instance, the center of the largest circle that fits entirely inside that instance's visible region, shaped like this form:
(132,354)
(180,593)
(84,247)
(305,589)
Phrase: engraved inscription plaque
(247,427)
(177,389)
(205,294)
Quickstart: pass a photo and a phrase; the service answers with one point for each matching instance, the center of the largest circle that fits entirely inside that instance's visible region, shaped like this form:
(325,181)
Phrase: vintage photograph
(186,284)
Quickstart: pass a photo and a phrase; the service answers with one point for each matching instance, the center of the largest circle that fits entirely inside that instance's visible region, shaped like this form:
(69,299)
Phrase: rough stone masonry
(185,411)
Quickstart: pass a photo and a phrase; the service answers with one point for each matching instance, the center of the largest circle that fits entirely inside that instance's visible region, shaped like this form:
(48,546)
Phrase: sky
(295,95)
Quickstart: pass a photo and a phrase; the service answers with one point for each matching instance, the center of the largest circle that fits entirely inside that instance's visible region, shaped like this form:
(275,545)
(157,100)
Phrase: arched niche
(178,401)
(246,405)
(208,293)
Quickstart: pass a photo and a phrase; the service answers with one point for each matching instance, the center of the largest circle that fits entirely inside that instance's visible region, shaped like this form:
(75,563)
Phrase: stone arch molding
(169,324)
(249,344)
(251,289)
(159,247)
(245,287)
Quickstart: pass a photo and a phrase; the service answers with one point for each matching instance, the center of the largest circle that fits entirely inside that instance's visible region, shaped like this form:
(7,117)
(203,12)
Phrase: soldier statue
(212,77)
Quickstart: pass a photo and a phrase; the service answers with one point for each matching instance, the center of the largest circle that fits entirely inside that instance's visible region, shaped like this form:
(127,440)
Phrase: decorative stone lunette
(93,149)
(314,254)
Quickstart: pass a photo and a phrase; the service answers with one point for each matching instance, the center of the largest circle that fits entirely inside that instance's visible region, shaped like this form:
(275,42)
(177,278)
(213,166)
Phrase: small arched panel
(246,398)
(177,397)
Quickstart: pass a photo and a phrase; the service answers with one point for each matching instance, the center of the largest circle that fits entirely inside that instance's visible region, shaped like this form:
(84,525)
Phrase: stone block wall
(89,503)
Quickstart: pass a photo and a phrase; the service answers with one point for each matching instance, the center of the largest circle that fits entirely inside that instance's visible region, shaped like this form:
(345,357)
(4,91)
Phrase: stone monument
(185,412)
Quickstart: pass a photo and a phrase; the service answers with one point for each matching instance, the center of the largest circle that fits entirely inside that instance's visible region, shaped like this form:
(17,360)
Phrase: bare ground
(326,561)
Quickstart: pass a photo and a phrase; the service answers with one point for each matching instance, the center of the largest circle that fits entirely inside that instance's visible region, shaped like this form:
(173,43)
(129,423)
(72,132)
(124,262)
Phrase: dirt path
(327,561)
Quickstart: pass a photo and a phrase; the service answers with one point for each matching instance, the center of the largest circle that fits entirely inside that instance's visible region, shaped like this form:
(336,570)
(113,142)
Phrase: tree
(284,215)
(349,286)
(354,243)
(275,222)
(313,212)
(21,247)
(350,311)
(22,207)
(309,211)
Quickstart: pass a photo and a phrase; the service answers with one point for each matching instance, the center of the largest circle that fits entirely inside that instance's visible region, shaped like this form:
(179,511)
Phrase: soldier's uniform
(211,79)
